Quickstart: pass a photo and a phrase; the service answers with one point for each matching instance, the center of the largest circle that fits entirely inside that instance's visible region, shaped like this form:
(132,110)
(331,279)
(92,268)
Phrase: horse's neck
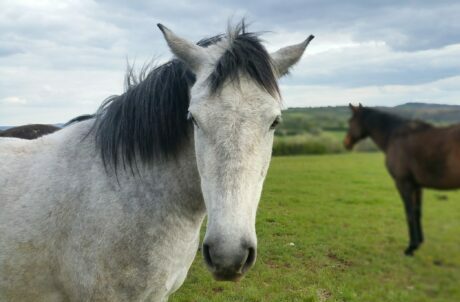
(380,138)
(381,134)
(171,185)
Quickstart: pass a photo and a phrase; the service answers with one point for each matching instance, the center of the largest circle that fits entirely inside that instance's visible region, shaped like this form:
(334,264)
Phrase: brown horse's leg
(407,191)
(418,213)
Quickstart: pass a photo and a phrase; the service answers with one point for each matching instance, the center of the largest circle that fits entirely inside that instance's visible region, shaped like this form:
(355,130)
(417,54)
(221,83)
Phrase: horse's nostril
(251,258)
(207,255)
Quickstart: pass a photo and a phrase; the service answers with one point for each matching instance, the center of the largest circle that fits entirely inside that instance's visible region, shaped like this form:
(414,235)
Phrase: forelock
(244,55)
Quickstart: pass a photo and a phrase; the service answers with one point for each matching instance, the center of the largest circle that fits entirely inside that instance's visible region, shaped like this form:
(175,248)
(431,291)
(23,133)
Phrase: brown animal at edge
(32,131)
(417,155)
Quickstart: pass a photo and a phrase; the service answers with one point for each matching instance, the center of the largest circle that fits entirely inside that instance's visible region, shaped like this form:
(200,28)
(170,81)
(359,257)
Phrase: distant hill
(334,118)
(432,113)
(418,105)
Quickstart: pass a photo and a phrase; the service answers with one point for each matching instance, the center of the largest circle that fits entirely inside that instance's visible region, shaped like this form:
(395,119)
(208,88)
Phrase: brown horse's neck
(381,139)
(380,126)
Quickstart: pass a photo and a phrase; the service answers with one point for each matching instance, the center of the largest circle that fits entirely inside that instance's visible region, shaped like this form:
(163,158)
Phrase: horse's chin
(233,277)
(349,147)
(348,143)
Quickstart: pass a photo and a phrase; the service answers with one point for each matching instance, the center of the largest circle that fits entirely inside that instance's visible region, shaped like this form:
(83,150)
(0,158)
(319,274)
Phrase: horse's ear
(355,109)
(192,54)
(286,57)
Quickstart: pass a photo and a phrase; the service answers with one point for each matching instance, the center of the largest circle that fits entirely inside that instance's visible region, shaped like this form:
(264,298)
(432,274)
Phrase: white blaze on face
(233,142)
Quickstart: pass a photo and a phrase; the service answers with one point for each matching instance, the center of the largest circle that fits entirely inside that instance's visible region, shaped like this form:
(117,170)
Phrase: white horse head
(235,106)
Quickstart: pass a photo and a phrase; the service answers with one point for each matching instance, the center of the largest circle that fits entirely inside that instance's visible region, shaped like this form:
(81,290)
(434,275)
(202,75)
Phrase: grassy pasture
(332,228)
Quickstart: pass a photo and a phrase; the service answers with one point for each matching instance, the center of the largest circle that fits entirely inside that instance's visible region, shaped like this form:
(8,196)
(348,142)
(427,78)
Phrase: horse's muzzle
(228,267)
(348,143)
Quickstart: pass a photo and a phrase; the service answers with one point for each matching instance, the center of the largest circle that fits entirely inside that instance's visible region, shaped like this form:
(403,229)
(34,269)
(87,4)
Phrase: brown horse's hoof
(410,251)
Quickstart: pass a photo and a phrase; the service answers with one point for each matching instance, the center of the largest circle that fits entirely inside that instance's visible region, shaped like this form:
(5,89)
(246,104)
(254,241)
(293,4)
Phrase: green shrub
(321,142)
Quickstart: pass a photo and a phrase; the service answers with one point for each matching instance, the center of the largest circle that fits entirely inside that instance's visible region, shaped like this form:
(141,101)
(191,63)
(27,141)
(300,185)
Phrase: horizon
(61,123)
(61,59)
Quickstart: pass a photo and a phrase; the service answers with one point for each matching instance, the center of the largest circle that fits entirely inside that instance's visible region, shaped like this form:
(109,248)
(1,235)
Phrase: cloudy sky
(61,58)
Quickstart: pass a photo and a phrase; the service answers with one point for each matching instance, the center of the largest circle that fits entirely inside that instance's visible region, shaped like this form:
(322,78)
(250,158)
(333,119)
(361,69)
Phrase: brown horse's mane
(390,123)
(413,126)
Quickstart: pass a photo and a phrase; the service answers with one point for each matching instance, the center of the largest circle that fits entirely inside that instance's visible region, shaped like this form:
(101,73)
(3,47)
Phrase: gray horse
(110,208)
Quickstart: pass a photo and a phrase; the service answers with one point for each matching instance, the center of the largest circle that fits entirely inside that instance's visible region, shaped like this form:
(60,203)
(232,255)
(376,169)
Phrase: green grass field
(332,228)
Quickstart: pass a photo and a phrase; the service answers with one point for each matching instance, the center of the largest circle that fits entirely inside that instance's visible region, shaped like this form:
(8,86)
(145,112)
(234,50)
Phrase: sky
(62,58)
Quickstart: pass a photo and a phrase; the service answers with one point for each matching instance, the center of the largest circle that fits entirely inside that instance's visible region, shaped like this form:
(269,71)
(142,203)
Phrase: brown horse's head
(356,131)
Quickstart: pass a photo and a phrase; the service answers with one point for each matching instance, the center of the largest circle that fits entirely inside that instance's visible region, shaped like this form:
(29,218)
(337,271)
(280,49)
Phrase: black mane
(148,121)
(248,56)
(79,118)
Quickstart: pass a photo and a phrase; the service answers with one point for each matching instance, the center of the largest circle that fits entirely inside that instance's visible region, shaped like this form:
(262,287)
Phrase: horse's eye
(275,123)
(190,118)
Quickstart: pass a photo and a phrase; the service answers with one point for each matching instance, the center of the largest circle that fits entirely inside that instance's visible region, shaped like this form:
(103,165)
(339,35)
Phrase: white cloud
(13,100)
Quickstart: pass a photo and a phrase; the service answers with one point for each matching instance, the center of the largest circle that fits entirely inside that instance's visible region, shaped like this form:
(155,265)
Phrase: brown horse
(417,155)
(32,131)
